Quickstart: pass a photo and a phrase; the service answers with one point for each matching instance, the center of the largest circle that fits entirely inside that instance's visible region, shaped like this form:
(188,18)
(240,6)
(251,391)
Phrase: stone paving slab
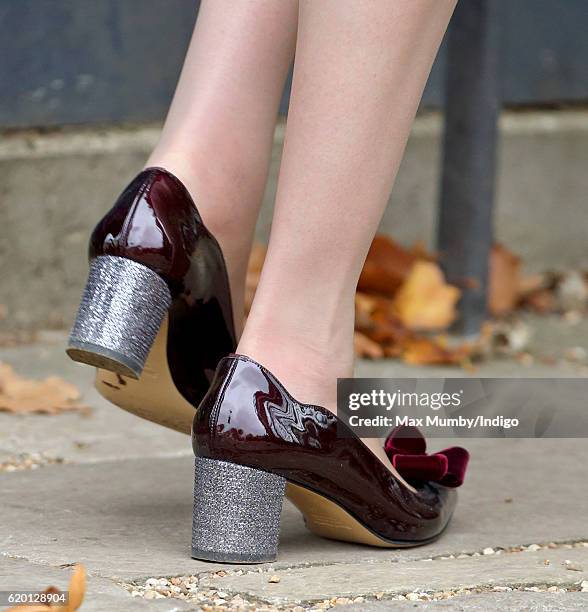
(513,602)
(107,433)
(122,503)
(132,518)
(313,584)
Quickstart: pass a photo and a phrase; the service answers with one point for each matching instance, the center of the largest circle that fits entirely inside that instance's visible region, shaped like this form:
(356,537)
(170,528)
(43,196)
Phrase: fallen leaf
(382,334)
(504,281)
(403,293)
(365,306)
(393,351)
(541,301)
(77,589)
(17,338)
(531,284)
(386,267)
(425,301)
(384,326)
(431,351)
(420,251)
(537,292)
(256,259)
(50,396)
(367,348)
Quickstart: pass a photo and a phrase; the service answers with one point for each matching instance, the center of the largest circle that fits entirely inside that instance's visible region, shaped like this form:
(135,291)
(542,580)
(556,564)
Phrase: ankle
(226,198)
(228,204)
(305,362)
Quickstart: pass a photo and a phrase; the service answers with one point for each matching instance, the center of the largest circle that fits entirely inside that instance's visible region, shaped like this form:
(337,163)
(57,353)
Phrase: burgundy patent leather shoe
(253,441)
(156,315)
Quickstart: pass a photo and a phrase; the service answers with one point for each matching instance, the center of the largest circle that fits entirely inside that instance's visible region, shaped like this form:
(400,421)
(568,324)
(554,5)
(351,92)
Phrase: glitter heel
(236,512)
(122,308)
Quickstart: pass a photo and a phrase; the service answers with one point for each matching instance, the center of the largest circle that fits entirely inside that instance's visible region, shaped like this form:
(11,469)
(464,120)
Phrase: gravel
(28,461)
(196,589)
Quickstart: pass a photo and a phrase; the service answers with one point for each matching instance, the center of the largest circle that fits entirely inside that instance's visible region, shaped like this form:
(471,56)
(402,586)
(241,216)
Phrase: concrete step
(54,187)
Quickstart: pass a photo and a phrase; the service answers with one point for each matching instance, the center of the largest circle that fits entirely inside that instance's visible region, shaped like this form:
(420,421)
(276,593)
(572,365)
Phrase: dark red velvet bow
(406,448)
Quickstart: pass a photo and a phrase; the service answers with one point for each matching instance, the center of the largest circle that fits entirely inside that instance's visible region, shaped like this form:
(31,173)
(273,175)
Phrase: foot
(342,489)
(308,368)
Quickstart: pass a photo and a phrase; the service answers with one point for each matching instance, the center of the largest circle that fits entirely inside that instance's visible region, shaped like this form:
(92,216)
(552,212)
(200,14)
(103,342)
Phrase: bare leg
(359,74)
(218,134)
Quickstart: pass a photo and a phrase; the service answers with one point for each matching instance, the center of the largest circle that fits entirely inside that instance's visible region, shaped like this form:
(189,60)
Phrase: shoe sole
(153,396)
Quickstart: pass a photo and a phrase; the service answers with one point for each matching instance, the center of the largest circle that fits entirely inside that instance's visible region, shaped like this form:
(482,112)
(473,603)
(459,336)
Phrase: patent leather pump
(155,317)
(253,441)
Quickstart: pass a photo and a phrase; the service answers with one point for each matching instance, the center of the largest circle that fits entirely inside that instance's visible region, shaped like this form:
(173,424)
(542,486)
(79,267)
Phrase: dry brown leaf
(367,348)
(17,338)
(542,301)
(504,281)
(420,251)
(365,306)
(386,333)
(432,351)
(388,330)
(256,259)
(50,396)
(402,292)
(537,292)
(393,351)
(386,267)
(381,323)
(425,301)
(530,284)
(77,590)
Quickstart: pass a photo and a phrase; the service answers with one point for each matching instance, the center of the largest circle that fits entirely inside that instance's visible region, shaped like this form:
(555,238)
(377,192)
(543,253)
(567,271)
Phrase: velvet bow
(406,448)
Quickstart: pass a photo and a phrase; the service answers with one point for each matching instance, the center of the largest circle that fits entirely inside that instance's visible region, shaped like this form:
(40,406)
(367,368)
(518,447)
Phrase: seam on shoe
(217,405)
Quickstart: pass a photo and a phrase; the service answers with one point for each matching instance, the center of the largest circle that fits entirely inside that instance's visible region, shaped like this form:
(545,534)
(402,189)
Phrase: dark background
(114,61)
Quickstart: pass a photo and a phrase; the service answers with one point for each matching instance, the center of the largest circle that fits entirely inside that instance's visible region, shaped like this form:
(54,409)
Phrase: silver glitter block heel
(122,308)
(236,513)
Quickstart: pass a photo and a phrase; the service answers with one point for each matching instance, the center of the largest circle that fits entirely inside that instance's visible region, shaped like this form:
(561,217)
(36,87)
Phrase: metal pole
(469,155)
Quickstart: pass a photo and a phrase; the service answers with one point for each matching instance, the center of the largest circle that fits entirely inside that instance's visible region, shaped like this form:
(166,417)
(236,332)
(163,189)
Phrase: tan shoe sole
(154,396)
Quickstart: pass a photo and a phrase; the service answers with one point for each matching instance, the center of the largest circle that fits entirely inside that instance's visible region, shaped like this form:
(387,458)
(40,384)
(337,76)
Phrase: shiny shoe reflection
(156,315)
(253,432)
